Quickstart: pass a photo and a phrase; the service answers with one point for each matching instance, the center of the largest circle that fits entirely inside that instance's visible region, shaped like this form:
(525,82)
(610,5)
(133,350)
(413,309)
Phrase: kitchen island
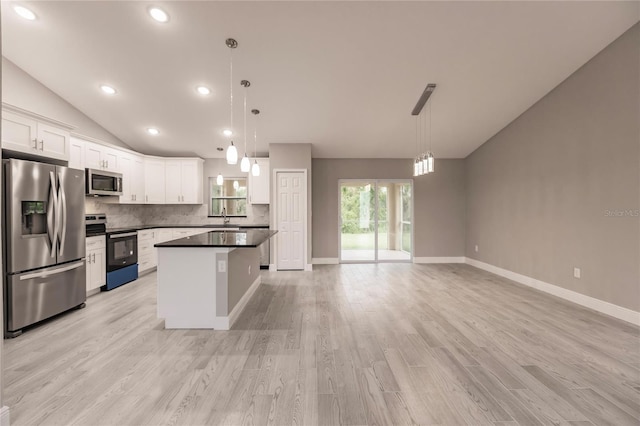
(206,280)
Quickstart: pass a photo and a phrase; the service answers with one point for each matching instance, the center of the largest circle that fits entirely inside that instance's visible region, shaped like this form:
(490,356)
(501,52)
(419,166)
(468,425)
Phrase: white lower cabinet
(147,255)
(188,232)
(96,252)
(148,238)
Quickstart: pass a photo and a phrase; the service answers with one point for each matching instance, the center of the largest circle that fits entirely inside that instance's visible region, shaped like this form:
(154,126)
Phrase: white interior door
(291,203)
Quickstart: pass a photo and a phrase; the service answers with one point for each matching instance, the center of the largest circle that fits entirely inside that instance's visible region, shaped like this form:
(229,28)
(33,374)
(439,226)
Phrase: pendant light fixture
(255,169)
(245,164)
(232,152)
(423,163)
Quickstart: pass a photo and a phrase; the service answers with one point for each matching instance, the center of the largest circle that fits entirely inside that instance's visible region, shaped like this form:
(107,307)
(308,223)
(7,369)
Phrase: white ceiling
(343,76)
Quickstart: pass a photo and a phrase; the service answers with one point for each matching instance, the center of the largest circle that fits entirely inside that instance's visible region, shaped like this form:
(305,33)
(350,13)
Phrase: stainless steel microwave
(102,182)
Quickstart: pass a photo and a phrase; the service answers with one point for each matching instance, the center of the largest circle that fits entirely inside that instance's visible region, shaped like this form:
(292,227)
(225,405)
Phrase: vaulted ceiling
(343,76)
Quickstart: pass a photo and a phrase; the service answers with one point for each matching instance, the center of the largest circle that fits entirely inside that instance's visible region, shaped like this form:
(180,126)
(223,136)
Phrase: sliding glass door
(357,227)
(375,221)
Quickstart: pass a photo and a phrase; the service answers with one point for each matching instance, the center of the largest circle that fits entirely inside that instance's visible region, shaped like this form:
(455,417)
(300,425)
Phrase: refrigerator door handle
(62,208)
(48,273)
(52,210)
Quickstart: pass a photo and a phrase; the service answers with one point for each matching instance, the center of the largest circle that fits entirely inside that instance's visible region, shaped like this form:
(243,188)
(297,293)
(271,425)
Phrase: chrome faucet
(225,219)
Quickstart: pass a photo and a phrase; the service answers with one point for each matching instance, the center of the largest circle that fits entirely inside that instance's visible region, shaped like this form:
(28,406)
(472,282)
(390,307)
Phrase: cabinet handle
(41,144)
(35,144)
(93,258)
(89,259)
(107,162)
(135,197)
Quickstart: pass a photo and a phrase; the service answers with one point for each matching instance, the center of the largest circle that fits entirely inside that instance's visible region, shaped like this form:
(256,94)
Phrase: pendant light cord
(430,126)
(255,138)
(231,88)
(417,147)
(245,119)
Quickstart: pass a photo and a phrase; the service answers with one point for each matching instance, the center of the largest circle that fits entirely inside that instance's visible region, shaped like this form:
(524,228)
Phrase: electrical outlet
(222,266)
(249,271)
(576,272)
(476,248)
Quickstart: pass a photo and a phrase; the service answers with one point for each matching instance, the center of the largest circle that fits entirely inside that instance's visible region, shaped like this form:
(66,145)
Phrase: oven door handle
(128,234)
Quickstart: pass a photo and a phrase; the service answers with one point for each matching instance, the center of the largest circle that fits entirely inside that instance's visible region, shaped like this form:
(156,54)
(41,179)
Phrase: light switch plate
(222,266)
(576,272)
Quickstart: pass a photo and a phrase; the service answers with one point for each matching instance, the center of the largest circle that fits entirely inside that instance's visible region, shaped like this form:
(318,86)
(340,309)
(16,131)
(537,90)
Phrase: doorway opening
(376,221)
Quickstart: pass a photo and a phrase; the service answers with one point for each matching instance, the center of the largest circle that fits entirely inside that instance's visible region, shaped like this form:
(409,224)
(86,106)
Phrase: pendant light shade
(232,154)
(219,179)
(430,163)
(245,164)
(255,169)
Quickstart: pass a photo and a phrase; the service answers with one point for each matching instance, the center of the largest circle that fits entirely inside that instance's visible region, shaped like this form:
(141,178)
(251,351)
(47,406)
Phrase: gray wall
(539,191)
(291,156)
(439,205)
(22,90)
(240,261)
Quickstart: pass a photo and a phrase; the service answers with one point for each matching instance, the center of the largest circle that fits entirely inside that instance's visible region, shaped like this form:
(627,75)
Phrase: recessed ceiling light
(227,132)
(158,14)
(24,12)
(108,89)
(153,131)
(203,90)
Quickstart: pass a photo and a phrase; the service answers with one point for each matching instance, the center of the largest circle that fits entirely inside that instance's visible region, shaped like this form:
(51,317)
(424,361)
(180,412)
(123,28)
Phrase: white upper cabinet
(154,180)
(76,153)
(28,135)
(184,179)
(102,157)
(132,169)
(259,185)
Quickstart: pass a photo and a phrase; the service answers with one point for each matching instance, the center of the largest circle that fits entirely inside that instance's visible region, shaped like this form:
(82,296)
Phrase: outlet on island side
(222,266)
(576,272)
(476,248)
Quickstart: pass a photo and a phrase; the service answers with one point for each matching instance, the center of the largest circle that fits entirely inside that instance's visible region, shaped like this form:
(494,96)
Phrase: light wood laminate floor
(345,344)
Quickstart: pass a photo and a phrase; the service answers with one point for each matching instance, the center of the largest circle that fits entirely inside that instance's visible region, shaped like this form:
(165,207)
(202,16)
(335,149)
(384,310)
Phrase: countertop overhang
(244,238)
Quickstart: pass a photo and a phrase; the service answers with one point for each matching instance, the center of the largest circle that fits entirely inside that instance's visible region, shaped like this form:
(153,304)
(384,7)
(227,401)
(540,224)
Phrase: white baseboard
(308,267)
(5,419)
(325,261)
(607,308)
(242,303)
(460,259)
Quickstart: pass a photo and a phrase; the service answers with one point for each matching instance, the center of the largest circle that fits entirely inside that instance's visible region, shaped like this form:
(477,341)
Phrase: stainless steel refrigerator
(44,237)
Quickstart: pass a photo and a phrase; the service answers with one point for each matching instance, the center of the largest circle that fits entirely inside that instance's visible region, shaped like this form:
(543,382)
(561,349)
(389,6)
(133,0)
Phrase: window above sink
(230,196)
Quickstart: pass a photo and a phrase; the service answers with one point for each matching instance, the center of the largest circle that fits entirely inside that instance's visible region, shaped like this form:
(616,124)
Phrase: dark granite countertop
(214,226)
(229,239)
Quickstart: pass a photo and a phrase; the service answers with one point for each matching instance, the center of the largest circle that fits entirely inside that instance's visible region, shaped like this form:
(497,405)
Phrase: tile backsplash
(122,215)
